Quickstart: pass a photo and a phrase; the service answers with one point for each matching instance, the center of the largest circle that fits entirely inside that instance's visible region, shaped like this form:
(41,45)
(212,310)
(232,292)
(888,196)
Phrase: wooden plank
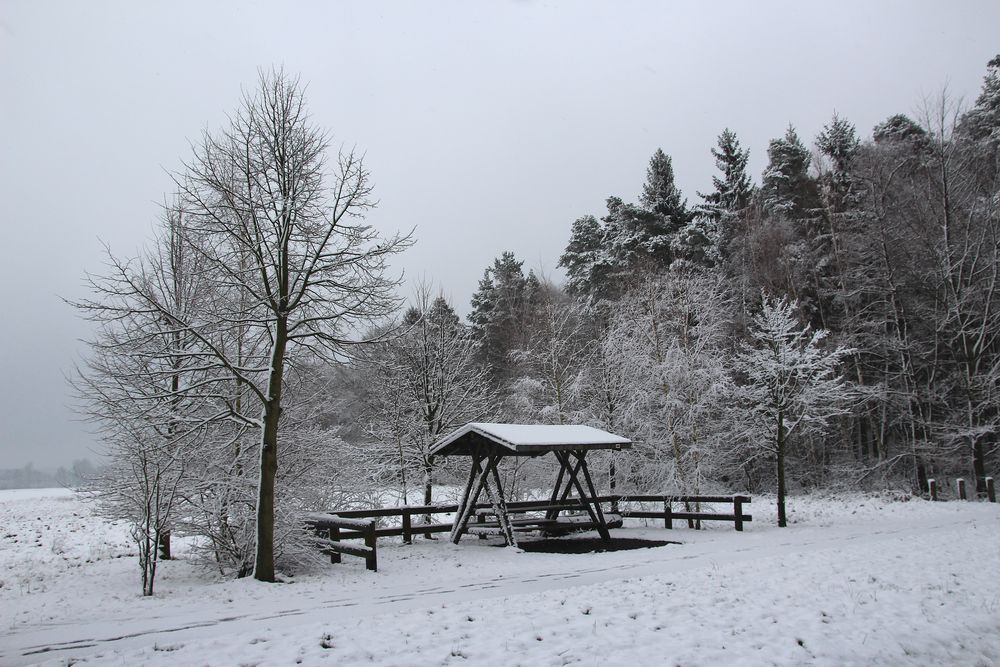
(677,499)
(520,522)
(683,515)
(327,520)
(346,548)
(511,509)
(397,511)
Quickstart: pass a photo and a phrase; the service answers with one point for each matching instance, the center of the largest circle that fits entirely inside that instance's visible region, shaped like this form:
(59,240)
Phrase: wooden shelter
(487,444)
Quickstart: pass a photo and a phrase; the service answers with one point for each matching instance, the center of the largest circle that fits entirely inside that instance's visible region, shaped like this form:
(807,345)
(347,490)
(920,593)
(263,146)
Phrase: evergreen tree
(584,259)
(733,189)
(787,187)
(705,239)
(899,129)
(498,314)
(838,142)
(660,194)
(982,122)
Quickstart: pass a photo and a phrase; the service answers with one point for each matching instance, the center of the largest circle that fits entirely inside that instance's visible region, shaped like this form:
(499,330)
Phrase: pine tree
(898,128)
(982,122)
(786,187)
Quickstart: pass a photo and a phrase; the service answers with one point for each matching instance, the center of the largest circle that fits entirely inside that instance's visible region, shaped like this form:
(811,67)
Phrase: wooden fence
(332,528)
(691,510)
(341,525)
(960,491)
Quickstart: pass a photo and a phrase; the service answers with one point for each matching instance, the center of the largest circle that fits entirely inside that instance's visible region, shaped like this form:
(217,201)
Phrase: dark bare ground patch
(587,545)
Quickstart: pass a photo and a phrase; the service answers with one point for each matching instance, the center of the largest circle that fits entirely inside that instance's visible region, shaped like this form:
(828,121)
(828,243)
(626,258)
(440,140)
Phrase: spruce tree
(584,257)
(660,194)
(838,142)
(705,240)
(786,186)
(498,313)
(733,189)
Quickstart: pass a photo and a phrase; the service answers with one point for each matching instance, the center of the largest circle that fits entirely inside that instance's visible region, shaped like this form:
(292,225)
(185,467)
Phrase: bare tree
(424,381)
(140,389)
(285,261)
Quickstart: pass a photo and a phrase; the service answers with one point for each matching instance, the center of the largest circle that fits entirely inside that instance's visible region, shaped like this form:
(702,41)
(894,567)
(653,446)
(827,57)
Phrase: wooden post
(961,489)
(468,503)
(334,537)
(499,504)
(991,492)
(602,524)
(407,528)
(932,485)
(738,511)
(668,513)
(371,561)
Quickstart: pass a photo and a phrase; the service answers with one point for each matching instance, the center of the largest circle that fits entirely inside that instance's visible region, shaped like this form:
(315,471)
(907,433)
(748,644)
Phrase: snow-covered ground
(853,581)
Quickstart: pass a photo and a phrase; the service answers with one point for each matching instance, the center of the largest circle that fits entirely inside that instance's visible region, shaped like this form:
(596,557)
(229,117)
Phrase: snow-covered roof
(526,439)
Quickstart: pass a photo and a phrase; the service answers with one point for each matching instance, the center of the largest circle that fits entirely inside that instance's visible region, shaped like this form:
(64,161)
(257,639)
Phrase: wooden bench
(560,526)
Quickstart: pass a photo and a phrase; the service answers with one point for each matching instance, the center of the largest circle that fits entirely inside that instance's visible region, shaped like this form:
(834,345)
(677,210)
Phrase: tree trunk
(264,560)
(781,469)
(164,540)
(428,489)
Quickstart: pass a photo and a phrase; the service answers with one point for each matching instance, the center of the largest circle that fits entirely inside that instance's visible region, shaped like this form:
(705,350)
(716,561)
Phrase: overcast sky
(489,126)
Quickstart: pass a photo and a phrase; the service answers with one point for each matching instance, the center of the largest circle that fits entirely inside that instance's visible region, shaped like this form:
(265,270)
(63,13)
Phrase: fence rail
(332,528)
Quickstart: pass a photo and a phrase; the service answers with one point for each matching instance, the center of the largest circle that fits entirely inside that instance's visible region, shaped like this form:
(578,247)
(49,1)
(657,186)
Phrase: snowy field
(853,581)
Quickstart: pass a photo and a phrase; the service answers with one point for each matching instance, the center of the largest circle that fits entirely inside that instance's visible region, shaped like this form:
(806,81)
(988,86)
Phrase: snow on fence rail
(332,525)
(354,524)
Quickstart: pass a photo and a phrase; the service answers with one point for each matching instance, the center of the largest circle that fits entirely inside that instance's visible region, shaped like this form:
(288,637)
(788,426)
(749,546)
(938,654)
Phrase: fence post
(961,488)
(334,537)
(668,513)
(932,486)
(991,492)
(371,561)
(407,528)
(738,511)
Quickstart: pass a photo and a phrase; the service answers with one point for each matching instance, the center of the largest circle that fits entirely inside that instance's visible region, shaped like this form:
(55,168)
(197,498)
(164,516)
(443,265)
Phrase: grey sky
(488,125)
